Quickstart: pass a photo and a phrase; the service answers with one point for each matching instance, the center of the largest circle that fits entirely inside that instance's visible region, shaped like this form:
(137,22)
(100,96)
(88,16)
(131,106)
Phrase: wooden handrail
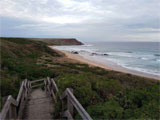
(12,107)
(37,80)
(10,101)
(34,86)
(54,84)
(72,101)
(20,92)
(51,88)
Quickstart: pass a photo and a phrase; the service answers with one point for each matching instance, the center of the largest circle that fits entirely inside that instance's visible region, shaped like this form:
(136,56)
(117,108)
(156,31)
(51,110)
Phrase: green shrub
(108,110)
(81,88)
(140,103)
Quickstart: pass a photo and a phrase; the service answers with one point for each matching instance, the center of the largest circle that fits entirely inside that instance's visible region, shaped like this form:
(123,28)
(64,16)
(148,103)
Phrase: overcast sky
(86,20)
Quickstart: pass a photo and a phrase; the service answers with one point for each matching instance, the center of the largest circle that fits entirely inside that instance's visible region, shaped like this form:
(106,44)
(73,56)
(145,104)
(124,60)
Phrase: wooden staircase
(39,106)
(35,103)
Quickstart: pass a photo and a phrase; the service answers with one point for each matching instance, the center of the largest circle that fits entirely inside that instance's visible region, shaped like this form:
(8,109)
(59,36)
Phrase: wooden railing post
(25,89)
(13,111)
(51,88)
(63,106)
(10,112)
(30,84)
(45,85)
(48,86)
(69,104)
(54,84)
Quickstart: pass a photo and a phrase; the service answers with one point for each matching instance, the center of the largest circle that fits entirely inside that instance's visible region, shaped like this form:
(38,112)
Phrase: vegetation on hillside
(18,61)
(59,41)
(104,94)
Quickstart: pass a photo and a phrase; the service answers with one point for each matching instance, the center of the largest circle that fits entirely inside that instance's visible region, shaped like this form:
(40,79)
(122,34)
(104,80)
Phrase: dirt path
(39,106)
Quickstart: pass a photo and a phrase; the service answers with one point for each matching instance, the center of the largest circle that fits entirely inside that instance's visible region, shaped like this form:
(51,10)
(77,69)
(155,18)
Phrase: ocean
(138,56)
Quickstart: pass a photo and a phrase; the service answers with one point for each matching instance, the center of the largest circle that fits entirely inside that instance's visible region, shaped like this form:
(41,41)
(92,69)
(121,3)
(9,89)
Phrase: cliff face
(59,41)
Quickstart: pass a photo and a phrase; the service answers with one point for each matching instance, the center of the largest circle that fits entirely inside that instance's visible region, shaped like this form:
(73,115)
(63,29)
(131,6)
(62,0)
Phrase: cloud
(105,20)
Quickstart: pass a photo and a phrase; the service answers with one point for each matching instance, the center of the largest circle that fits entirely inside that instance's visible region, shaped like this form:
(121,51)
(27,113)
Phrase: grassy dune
(104,94)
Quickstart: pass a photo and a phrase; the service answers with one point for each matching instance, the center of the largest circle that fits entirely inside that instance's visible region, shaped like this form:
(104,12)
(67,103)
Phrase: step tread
(39,106)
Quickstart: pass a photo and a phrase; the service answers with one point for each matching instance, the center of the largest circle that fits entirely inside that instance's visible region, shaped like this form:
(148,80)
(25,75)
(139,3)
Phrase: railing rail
(73,102)
(12,107)
(51,88)
(37,80)
(37,83)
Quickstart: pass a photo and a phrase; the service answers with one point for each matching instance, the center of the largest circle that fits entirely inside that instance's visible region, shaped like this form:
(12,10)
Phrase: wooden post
(48,86)
(10,112)
(25,89)
(45,85)
(30,86)
(54,85)
(62,106)
(69,104)
(14,111)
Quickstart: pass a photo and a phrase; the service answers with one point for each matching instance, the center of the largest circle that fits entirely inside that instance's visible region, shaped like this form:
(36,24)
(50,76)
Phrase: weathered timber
(20,92)
(12,107)
(39,106)
(51,88)
(7,108)
(73,101)
(54,84)
(68,115)
(34,86)
(37,80)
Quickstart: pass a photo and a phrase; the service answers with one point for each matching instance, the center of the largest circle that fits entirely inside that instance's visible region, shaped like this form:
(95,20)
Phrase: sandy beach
(109,66)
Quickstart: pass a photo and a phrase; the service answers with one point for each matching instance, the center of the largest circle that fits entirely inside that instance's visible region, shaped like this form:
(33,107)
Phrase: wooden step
(39,106)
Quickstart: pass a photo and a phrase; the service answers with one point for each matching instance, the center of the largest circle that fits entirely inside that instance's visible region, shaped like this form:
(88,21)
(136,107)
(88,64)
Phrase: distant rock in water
(156,54)
(74,52)
(59,41)
(105,54)
(94,54)
(99,54)
(129,52)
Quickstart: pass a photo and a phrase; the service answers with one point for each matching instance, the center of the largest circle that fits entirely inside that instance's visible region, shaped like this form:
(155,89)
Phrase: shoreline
(109,66)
